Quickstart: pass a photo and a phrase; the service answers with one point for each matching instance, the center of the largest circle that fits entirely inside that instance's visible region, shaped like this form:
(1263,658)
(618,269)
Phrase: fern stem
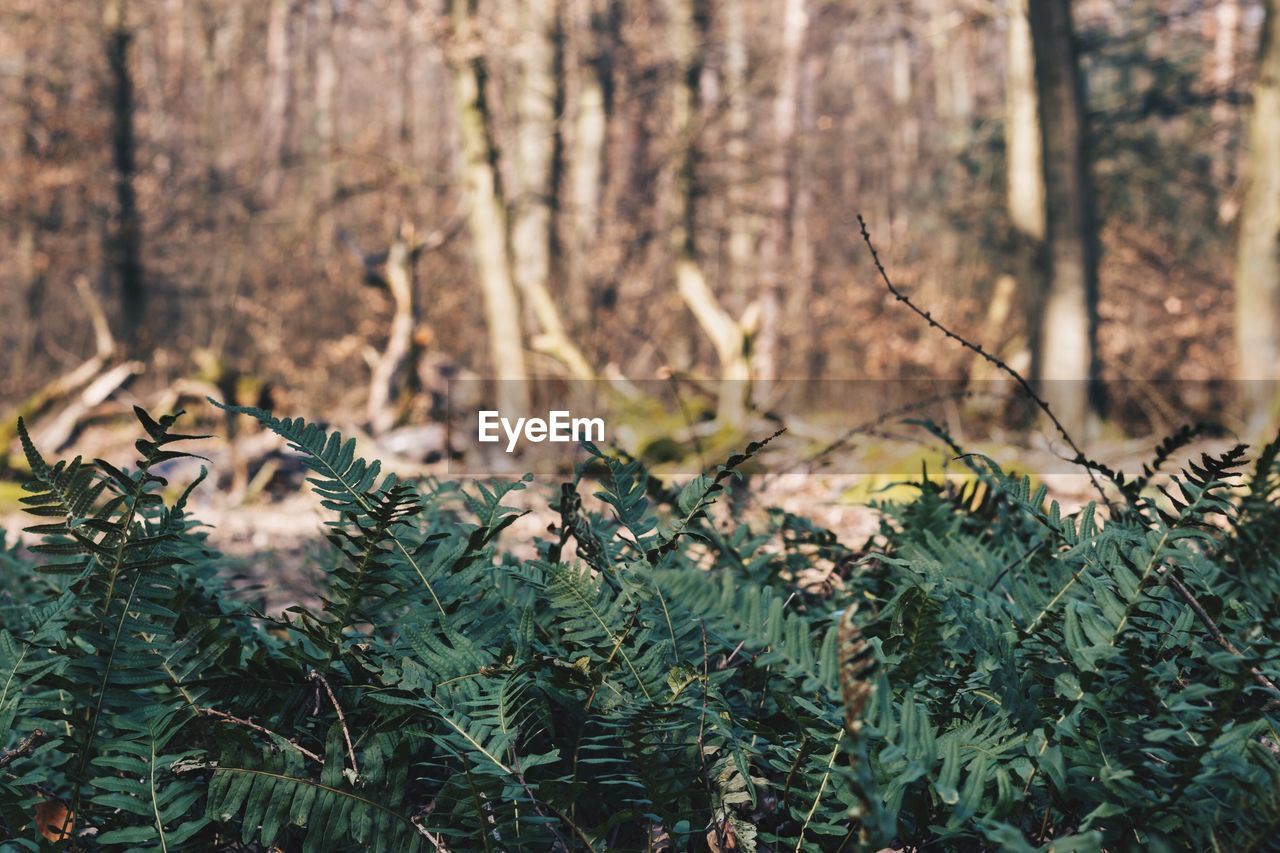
(817,798)
(151,787)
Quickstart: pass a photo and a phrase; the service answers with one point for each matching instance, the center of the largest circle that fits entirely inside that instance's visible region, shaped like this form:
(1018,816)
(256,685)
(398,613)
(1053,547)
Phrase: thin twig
(249,724)
(342,721)
(25,747)
(1205,619)
(999,363)
(537,807)
(430,836)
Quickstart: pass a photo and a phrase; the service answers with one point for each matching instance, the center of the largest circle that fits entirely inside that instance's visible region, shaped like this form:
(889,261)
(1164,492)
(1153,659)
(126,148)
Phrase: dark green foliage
(986,673)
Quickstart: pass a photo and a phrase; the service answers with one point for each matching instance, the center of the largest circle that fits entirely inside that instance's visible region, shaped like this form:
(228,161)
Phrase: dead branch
(1214,631)
(25,747)
(996,361)
(315,675)
(249,724)
(58,432)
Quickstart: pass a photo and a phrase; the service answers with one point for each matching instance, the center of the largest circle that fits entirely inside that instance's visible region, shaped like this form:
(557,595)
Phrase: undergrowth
(988,672)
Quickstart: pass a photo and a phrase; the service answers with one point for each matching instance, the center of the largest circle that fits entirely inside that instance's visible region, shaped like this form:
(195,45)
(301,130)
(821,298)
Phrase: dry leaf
(51,817)
(721,838)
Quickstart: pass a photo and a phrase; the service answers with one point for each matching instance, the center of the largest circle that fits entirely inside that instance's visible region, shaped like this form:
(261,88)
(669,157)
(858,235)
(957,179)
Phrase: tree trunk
(486,218)
(386,399)
(125,236)
(324,165)
(279,105)
(531,180)
(326,82)
(728,337)
(773,250)
(1065,355)
(1222,77)
(1024,193)
(586,160)
(1024,172)
(1257,273)
(737,103)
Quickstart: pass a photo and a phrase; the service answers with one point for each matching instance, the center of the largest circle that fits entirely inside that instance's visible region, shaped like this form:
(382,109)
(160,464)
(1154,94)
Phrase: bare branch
(25,747)
(999,363)
(249,724)
(1205,619)
(314,675)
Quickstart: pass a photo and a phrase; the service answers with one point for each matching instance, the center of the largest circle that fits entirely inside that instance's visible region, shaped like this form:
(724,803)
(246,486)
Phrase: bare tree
(485,215)
(777,238)
(531,179)
(1064,348)
(1023,155)
(278,117)
(1257,272)
(585,82)
(124,248)
(729,337)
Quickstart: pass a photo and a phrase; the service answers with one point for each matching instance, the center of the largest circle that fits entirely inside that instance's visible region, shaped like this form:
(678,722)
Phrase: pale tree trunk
(486,218)
(773,251)
(1025,198)
(805,346)
(737,120)
(411,22)
(531,179)
(278,117)
(385,397)
(1025,174)
(586,160)
(221,29)
(1221,73)
(326,82)
(729,337)
(1064,357)
(1257,273)
(906,154)
(326,94)
(948,39)
(124,249)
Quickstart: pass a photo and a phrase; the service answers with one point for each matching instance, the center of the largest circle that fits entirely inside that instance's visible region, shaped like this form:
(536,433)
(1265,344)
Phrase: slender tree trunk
(1065,354)
(221,30)
(1025,172)
(531,180)
(125,236)
(326,83)
(773,252)
(737,103)
(1222,78)
(805,345)
(386,400)
(586,160)
(486,218)
(279,106)
(906,154)
(1025,197)
(1257,273)
(728,337)
(326,94)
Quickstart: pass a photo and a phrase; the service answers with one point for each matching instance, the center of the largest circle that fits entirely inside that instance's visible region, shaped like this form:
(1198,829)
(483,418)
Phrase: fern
(988,671)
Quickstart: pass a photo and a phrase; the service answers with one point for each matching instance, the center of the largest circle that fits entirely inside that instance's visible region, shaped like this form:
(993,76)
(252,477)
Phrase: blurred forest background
(333,206)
